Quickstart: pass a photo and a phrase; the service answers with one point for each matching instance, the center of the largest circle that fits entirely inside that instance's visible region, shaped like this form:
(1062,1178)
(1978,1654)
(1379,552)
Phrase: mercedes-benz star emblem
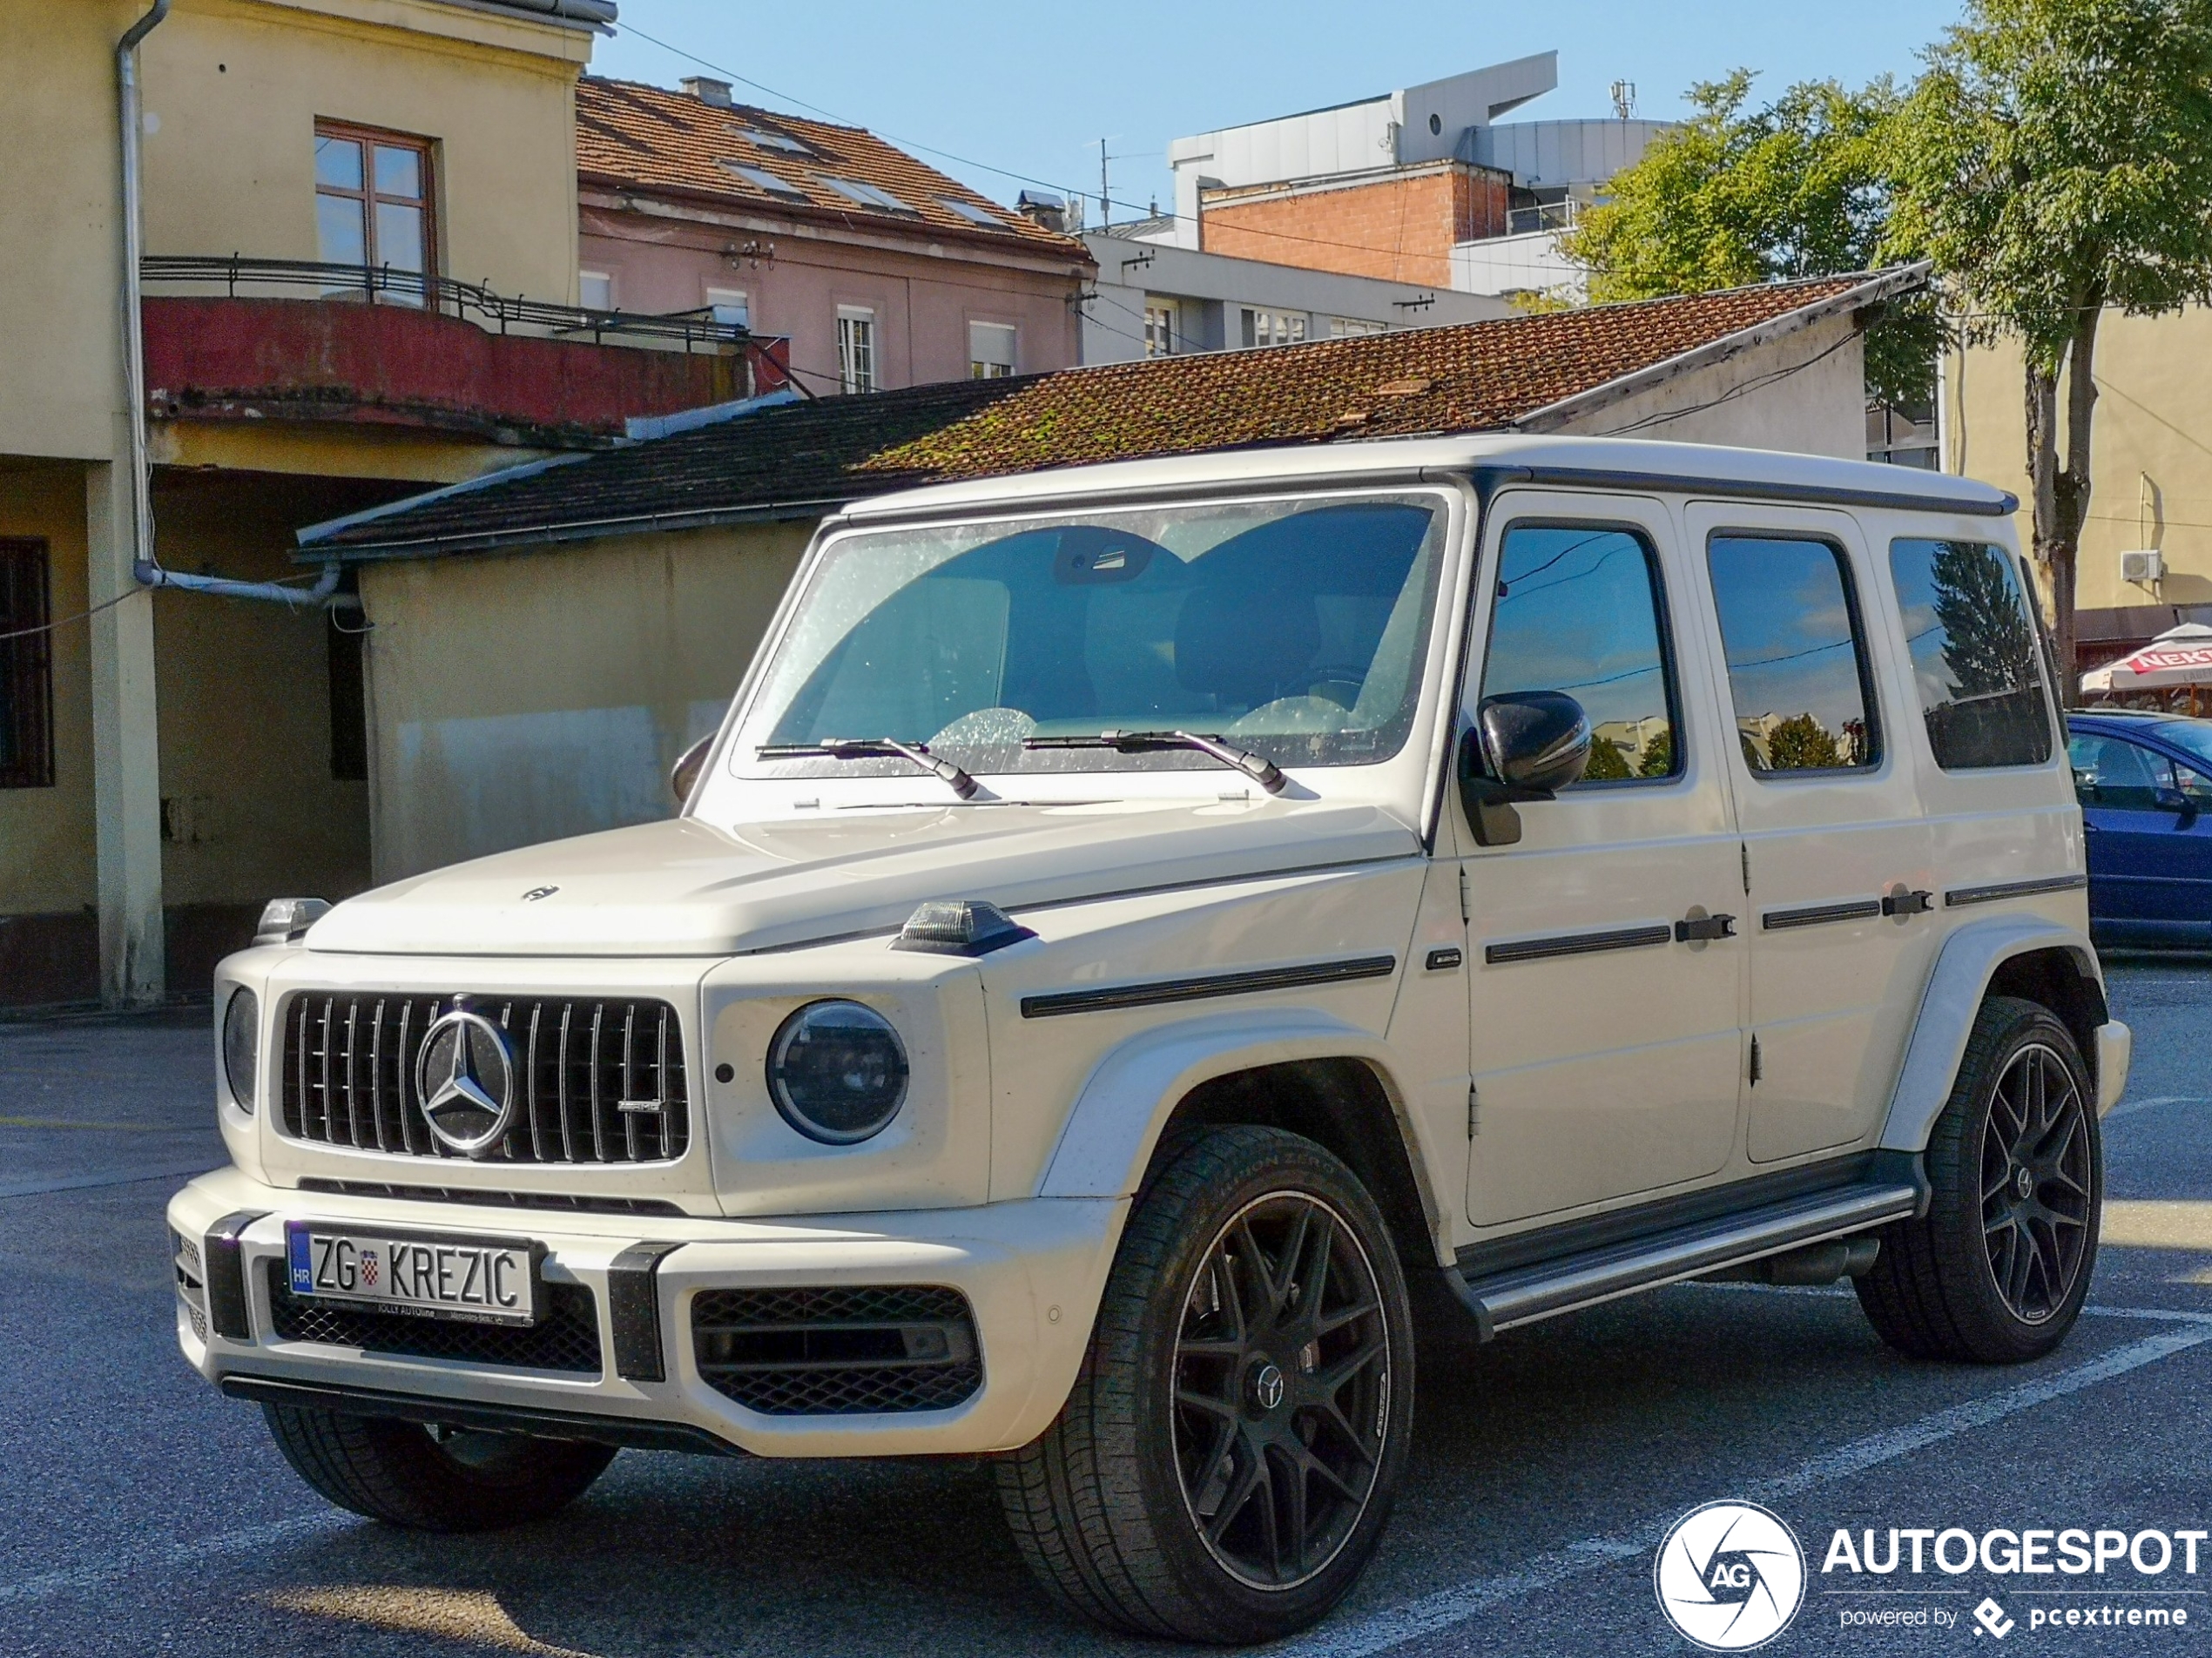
(465,1074)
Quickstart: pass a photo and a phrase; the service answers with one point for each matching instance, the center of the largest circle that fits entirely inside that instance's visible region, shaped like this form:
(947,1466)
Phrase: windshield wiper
(1262,770)
(869,748)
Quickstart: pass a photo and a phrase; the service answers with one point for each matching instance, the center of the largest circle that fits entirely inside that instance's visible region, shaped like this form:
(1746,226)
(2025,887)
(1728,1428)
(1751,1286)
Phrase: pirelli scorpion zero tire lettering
(1998,1271)
(1226,1463)
(434,1480)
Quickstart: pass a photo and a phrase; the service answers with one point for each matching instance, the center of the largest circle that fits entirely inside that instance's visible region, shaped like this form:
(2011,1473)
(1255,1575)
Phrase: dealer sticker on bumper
(479,1279)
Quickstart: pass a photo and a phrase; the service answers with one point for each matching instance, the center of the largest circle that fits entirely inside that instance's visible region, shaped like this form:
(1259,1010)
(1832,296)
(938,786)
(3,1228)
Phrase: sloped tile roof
(634,137)
(1473,377)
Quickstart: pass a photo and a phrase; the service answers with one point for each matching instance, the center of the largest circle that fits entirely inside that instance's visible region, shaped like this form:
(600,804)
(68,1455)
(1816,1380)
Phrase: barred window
(26,669)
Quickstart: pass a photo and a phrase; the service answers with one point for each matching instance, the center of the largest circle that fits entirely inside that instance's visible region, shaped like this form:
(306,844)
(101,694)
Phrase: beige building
(360,279)
(545,645)
(2151,470)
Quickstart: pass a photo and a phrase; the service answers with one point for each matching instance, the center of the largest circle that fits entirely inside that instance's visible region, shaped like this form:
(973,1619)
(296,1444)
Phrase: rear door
(1605,1053)
(1832,828)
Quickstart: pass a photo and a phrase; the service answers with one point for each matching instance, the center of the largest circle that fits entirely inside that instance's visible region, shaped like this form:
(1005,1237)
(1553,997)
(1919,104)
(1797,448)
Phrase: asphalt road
(141,1512)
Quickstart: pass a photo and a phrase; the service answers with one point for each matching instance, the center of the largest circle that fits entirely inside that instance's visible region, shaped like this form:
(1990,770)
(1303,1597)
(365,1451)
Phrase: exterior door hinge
(1466,909)
(1755,1062)
(1744,848)
(1474,1112)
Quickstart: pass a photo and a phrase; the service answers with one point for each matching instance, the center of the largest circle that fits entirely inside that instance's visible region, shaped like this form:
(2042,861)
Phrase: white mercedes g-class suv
(1138,928)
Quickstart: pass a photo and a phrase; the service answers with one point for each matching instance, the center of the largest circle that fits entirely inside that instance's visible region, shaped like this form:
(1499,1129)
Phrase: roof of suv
(1620,463)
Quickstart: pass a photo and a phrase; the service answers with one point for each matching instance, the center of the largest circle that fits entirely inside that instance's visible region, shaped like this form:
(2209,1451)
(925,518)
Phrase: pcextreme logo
(1730,1576)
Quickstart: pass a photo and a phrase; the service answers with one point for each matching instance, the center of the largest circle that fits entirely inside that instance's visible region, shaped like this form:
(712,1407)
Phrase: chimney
(707,90)
(1042,207)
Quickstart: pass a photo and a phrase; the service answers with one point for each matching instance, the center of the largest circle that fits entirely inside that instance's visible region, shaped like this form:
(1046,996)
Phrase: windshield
(2190,736)
(1294,629)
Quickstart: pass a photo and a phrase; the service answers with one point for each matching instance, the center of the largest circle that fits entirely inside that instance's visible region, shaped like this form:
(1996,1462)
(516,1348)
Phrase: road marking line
(172,1557)
(1446,1608)
(85,1183)
(2129,1108)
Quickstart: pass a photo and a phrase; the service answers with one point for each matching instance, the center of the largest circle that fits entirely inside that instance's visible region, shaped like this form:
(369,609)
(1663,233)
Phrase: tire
(433,1479)
(1201,1429)
(1997,1270)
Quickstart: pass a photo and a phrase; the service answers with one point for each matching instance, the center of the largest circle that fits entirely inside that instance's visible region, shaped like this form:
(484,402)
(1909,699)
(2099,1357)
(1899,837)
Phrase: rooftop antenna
(1624,99)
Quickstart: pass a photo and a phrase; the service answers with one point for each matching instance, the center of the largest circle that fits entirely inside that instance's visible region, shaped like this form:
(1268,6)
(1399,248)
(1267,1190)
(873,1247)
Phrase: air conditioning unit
(2146,567)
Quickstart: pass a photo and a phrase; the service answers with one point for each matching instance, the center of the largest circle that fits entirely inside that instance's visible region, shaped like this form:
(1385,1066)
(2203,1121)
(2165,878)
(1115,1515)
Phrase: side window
(1973,654)
(2112,771)
(1796,654)
(1579,609)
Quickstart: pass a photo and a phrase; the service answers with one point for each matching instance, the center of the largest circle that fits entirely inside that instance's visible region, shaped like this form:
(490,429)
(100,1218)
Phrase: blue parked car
(2145,783)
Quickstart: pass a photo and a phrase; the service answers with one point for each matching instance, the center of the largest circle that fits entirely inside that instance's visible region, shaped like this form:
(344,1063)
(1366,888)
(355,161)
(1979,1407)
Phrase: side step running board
(1523,1295)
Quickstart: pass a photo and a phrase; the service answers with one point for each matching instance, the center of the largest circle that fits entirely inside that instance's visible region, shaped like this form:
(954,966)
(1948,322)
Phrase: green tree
(2056,160)
(1658,756)
(1736,195)
(1606,765)
(1803,744)
(1988,646)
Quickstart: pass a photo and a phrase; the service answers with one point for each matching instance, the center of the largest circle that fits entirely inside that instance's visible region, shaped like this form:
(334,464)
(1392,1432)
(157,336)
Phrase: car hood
(687,887)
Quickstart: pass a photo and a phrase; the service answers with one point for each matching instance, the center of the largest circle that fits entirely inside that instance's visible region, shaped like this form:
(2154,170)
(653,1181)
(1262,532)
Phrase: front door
(1605,1052)
(1836,848)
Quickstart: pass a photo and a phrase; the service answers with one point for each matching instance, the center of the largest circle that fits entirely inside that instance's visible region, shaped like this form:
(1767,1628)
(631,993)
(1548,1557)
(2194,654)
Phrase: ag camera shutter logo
(1730,1576)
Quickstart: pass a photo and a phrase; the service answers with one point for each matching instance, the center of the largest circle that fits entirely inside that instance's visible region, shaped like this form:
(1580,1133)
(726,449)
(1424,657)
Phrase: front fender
(1125,1103)
(1970,957)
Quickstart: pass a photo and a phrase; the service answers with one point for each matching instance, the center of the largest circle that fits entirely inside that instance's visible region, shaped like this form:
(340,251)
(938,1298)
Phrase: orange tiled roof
(643,136)
(1471,377)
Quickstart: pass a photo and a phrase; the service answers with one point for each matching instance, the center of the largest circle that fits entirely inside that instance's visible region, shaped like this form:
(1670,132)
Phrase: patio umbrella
(2180,656)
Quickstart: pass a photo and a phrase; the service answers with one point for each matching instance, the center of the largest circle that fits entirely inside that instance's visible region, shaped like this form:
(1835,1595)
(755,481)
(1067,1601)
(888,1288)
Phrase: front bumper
(1032,1273)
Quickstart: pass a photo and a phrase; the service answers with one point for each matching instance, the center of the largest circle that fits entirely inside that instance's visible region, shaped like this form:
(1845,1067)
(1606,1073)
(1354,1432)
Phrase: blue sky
(1032,88)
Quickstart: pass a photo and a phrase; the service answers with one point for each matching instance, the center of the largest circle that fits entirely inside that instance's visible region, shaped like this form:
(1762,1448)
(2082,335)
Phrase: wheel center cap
(2024,1183)
(1267,1387)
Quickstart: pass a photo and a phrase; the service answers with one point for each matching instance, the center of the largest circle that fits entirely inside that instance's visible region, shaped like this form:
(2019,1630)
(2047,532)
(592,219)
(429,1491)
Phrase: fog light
(241,1044)
(837,1071)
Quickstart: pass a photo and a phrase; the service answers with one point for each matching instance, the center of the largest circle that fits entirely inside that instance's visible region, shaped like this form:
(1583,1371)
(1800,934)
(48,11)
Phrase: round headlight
(837,1071)
(241,1044)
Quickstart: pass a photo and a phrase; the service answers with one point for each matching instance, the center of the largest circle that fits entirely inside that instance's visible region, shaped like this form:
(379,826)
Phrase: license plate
(479,1280)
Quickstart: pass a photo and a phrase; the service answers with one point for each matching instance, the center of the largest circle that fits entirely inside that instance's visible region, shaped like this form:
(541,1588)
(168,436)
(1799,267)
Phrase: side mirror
(1525,746)
(2175,801)
(685,774)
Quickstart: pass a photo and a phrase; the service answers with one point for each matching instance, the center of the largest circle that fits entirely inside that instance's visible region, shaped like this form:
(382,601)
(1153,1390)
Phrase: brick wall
(1399,228)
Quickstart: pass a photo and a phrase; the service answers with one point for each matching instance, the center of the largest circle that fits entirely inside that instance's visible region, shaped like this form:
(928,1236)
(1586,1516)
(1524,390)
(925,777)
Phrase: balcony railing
(1547,215)
(388,285)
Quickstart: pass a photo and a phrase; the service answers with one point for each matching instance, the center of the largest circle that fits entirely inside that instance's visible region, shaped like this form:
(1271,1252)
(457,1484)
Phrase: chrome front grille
(597,1080)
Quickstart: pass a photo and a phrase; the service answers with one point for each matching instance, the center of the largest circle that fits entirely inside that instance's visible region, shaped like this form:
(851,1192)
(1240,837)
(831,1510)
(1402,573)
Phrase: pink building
(879,270)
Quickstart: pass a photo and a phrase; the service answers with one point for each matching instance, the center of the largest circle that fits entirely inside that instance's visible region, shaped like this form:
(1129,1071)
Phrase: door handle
(1697,929)
(1908,903)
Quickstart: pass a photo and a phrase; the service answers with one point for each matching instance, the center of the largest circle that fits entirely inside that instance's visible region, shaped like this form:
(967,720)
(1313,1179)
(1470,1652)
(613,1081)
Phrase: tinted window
(1578,610)
(2111,772)
(1973,654)
(1797,655)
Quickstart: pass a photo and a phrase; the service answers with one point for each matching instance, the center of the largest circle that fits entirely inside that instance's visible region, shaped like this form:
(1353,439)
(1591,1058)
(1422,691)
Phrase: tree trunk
(2061,492)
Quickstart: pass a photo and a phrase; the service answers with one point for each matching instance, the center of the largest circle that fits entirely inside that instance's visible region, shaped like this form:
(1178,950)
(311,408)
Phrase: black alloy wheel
(1995,1273)
(1282,1390)
(1223,1468)
(2035,1181)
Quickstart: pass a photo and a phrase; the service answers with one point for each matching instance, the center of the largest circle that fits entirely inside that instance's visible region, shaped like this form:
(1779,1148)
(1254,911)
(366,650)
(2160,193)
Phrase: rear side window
(1579,609)
(1797,655)
(1974,654)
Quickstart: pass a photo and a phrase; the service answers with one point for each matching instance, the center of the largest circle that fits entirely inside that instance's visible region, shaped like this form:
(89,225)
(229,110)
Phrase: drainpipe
(145,566)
